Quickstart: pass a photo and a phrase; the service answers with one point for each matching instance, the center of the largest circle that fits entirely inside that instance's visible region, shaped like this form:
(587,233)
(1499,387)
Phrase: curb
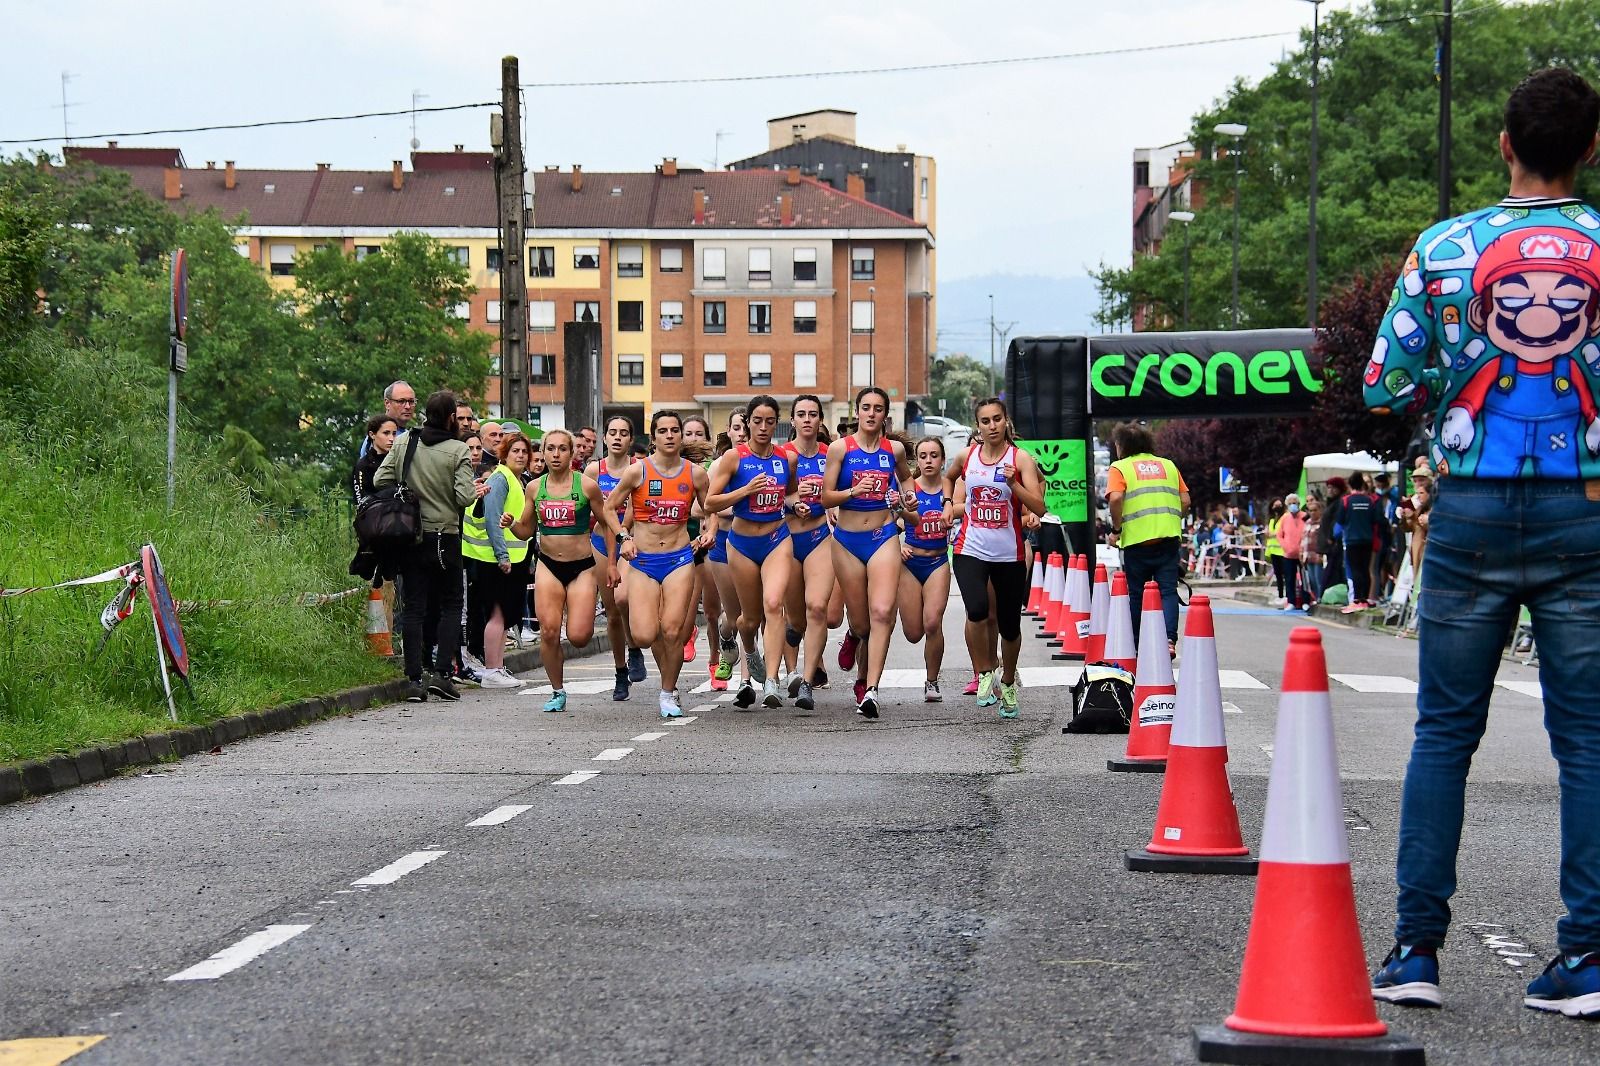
(39,777)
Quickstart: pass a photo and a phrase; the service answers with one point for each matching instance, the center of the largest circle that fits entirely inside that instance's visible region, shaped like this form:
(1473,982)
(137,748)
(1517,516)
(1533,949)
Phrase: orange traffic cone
(1119,648)
(1094,645)
(1073,630)
(1304,986)
(378,642)
(1036,587)
(1055,593)
(1154,695)
(1197,824)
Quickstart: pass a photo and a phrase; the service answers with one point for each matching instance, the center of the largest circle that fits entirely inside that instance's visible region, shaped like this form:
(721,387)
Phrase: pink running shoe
(860,690)
(972,687)
(847,652)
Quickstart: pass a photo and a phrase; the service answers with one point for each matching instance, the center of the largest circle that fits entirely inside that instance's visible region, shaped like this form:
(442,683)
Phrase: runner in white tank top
(992,528)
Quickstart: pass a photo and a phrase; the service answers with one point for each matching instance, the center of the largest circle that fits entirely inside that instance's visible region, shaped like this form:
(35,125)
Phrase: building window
(586,311)
(716,371)
(492,259)
(541,261)
(805,316)
(492,311)
(364,250)
(672,367)
(860,371)
(924,188)
(716,264)
(243,249)
(805,265)
(862,264)
(671,313)
(672,260)
(630,315)
(805,370)
(760,317)
(462,311)
(282,260)
(541,370)
(760,371)
(541,316)
(630,370)
(630,261)
(495,364)
(716,316)
(862,319)
(586,257)
(760,265)
(461,254)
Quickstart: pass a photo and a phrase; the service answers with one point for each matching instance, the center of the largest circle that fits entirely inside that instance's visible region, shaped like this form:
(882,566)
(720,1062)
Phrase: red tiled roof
(457,160)
(113,156)
(735,199)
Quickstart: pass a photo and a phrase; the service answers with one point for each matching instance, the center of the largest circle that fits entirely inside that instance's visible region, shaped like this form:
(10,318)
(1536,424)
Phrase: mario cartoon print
(1529,407)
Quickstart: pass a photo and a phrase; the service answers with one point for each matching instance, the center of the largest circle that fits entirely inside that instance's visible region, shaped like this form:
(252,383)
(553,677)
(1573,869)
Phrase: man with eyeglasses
(400,404)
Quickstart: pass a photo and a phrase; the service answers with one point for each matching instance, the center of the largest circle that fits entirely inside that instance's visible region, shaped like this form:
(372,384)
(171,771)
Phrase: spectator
(400,404)
(1359,516)
(1388,550)
(1311,556)
(381,433)
(1331,546)
(499,559)
(1275,552)
(441,478)
(466,419)
(491,433)
(1291,539)
(583,448)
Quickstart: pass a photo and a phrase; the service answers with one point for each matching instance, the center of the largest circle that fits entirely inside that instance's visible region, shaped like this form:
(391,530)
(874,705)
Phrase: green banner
(1065,468)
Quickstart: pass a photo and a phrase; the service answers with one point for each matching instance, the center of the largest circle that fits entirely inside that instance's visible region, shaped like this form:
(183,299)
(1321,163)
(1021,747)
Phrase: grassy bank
(82,486)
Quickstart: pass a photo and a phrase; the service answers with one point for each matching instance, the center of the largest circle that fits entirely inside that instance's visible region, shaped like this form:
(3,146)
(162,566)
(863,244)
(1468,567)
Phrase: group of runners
(778,544)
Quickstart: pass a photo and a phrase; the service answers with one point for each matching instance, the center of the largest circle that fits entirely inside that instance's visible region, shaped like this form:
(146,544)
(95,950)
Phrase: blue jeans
(1493,546)
(1156,561)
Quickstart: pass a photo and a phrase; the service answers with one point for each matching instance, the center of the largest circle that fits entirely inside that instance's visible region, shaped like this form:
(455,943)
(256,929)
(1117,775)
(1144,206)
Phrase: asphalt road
(779,886)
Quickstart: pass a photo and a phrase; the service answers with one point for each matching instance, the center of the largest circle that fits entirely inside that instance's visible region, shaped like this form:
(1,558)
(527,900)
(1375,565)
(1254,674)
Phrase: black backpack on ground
(1102,700)
(390,518)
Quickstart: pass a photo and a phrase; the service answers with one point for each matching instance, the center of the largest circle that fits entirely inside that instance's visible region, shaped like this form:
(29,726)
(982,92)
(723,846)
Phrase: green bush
(82,486)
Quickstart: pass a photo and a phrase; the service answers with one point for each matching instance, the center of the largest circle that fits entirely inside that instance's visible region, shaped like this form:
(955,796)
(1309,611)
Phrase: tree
(1350,322)
(960,381)
(26,220)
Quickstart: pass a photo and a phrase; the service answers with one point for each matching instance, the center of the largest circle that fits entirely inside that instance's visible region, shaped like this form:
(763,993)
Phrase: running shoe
(795,681)
(868,707)
(468,676)
(727,655)
(500,679)
(636,672)
(985,690)
(771,695)
(1569,985)
(416,692)
(670,707)
(804,700)
(619,691)
(470,660)
(972,687)
(442,687)
(689,645)
(820,678)
(1008,700)
(860,689)
(557,701)
(746,696)
(931,693)
(847,651)
(1409,977)
(719,684)
(757,664)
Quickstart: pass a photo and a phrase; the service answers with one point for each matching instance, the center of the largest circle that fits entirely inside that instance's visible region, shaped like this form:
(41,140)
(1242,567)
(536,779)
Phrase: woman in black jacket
(381,432)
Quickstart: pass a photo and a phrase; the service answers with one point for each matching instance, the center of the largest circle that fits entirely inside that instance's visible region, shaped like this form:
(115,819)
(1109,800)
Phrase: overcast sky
(1034,159)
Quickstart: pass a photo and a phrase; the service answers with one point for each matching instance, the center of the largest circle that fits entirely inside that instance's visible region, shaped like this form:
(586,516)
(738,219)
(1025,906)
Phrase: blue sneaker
(636,672)
(1570,985)
(1409,977)
(620,690)
(557,701)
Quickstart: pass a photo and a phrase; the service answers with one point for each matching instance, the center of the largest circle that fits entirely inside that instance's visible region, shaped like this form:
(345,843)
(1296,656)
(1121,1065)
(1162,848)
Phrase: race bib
(989,510)
(875,484)
(930,526)
(669,512)
(767,501)
(811,489)
(558,513)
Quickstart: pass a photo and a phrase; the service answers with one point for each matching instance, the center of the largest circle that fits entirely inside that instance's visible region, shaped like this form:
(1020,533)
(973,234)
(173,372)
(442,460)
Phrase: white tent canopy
(1320,468)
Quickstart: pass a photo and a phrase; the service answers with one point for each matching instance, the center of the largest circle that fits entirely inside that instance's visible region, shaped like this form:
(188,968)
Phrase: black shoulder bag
(391,517)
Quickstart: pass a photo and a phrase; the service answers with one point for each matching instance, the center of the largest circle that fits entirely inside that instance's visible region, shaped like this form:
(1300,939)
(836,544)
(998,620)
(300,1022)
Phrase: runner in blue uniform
(925,581)
(811,580)
(728,655)
(605,471)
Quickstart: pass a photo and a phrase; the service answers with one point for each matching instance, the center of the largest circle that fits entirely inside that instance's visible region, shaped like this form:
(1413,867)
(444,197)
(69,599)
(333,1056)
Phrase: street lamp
(1316,71)
(1236,130)
(991,346)
(1185,217)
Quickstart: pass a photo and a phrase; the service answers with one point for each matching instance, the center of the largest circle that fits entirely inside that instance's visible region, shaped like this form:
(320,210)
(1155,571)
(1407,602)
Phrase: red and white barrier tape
(98,579)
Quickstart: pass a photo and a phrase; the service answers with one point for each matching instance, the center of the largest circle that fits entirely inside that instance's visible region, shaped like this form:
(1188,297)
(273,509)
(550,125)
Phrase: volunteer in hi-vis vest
(1148,499)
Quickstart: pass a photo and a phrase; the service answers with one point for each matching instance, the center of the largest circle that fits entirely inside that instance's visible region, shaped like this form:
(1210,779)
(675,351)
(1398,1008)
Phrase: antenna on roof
(66,136)
(716,154)
(416,96)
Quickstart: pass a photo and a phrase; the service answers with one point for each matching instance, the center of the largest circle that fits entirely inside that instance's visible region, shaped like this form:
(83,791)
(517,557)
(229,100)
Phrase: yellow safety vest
(1152,502)
(475,532)
(1273,547)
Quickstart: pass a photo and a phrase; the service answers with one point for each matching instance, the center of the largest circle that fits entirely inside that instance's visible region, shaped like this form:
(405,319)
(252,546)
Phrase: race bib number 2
(874,485)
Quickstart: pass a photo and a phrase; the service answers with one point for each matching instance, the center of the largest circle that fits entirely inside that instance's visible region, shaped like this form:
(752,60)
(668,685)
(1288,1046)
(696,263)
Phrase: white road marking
(645,738)
(577,777)
(726,699)
(236,955)
(502,814)
(903,679)
(1048,676)
(399,868)
(613,755)
(686,721)
(703,708)
(1527,688)
(1268,749)
(582,688)
(704,686)
(1376,683)
(1230,708)
(1238,679)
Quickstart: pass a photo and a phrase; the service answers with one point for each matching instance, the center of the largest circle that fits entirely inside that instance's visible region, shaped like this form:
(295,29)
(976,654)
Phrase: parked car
(953,433)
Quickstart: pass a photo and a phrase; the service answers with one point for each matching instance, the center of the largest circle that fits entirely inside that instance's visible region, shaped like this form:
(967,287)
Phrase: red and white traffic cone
(1073,630)
(1036,587)
(1119,647)
(1094,646)
(1055,593)
(1303,989)
(1197,824)
(1154,694)
(378,636)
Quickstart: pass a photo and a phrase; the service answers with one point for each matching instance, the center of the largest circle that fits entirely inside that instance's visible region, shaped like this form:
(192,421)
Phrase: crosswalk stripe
(1376,683)
(1526,688)
(44,1050)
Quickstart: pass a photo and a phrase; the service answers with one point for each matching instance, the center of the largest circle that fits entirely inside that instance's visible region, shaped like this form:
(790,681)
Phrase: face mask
(1294,508)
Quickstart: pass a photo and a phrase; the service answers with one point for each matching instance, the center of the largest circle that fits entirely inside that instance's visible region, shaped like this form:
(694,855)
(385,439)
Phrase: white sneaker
(473,661)
(528,635)
(670,707)
(931,693)
(499,679)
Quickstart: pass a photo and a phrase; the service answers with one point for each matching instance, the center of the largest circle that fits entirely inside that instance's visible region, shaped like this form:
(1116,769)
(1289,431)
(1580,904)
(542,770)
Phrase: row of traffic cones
(1303,993)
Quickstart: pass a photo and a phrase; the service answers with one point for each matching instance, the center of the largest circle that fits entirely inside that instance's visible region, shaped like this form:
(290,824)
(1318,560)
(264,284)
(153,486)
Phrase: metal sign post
(177,331)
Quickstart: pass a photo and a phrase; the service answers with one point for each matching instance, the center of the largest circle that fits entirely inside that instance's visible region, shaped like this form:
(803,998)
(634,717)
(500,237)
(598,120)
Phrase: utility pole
(1445,177)
(510,178)
(1316,74)
(991,345)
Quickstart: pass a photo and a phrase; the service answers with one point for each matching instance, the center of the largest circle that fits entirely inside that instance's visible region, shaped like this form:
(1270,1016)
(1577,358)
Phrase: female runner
(997,481)
(727,594)
(605,471)
(861,478)
(811,583)
(659,492)
(756,480)
(559,506)
(702,534)
(925,581)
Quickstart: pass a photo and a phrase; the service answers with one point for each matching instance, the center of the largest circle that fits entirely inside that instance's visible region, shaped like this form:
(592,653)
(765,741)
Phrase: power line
(257,125)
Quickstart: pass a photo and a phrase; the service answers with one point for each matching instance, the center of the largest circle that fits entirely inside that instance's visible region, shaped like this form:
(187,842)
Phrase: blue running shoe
(1409,977)
(636,672)
(619,691)
(1570,985)
(557,701)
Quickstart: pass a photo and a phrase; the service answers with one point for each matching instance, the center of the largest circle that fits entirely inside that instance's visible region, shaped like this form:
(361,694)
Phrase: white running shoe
(499,679)
(670,707)
(931,693)
(473,661)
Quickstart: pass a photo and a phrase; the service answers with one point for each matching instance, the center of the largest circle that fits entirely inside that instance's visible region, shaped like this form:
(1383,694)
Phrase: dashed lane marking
(581,688)
(1376,683)
(234,956)
(388,875)
(577,777)
(1231,708)
(702,709)
(502,814)
(613,755)
(1527,688)
(44,1050)
(645,738)
(1238,679)
(686,721)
